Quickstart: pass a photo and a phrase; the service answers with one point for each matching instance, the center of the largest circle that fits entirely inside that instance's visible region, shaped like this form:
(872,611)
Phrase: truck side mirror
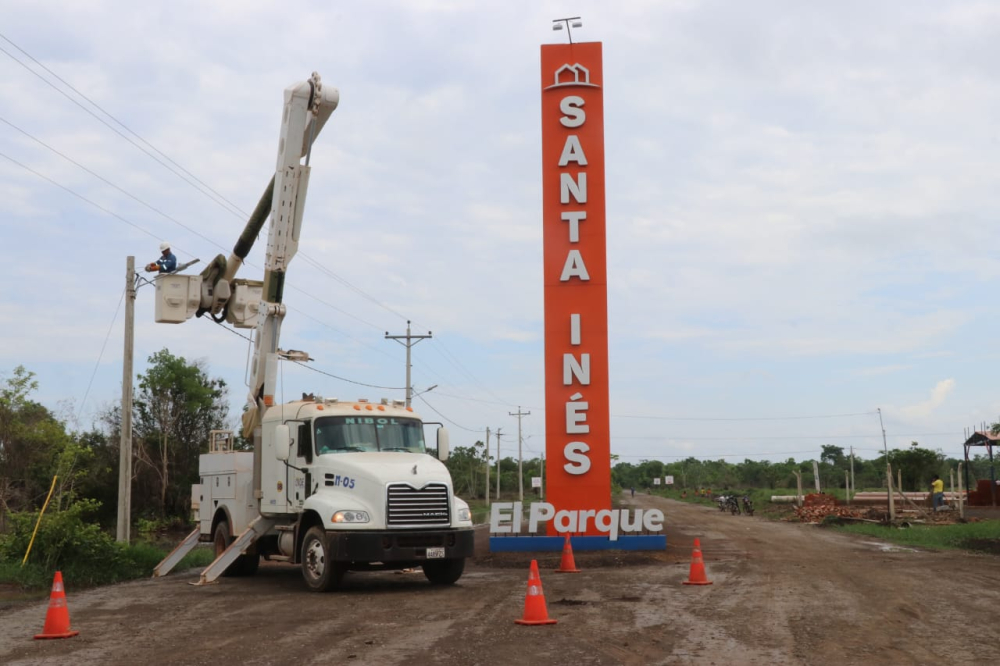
(282,441)
(442,439)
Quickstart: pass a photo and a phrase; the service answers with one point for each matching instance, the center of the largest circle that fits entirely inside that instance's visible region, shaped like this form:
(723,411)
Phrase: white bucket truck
(330,485)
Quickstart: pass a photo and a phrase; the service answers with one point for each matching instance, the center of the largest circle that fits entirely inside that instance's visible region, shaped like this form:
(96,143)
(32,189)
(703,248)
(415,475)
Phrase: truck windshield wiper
(396,448)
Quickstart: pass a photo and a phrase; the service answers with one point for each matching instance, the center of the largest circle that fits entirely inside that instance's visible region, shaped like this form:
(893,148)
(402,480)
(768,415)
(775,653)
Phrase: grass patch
(983,536)
(128,563)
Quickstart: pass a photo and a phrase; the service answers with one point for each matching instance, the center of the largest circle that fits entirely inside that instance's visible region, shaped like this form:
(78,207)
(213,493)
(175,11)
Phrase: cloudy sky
(800,200)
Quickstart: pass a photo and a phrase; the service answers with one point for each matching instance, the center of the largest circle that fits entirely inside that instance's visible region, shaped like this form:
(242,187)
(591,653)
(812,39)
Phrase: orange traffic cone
(57,617)
(567,564)
(535,611)
(697,574)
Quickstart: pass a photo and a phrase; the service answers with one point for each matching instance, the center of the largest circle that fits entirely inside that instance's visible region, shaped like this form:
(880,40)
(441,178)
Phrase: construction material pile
(819,499)
(817,506)
(818,512)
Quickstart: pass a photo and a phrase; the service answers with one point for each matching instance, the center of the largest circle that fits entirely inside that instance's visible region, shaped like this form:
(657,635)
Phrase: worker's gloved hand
(150,268)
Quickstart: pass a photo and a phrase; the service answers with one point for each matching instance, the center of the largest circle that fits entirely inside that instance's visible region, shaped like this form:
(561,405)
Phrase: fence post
(892,503)
(961,504)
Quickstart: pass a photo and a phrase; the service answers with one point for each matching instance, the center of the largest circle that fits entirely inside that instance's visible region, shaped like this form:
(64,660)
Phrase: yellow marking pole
(39,521)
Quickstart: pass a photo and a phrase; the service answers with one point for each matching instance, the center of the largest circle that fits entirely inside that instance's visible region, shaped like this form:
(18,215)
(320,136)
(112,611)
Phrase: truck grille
(408,506)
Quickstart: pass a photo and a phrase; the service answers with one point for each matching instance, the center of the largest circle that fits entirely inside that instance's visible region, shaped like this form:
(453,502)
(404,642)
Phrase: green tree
(176,406)
(34,446)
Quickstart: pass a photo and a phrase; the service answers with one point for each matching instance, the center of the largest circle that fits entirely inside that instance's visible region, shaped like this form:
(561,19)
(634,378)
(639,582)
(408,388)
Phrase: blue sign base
(528,544)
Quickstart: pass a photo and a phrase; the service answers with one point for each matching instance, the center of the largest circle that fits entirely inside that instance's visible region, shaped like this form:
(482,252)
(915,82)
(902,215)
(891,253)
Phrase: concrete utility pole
(486,450)
(123,529)
(498,464)
(520,458)
(853,487)
(885,449)
(410,341)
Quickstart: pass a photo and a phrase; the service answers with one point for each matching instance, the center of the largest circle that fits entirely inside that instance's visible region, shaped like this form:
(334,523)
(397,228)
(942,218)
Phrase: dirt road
(782,594)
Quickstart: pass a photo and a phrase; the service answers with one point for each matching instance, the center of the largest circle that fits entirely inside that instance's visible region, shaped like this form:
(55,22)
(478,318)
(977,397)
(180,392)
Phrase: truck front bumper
(399,545)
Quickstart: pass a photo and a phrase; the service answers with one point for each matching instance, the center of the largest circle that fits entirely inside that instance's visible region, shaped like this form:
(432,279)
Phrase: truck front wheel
(320,573)
(444,572)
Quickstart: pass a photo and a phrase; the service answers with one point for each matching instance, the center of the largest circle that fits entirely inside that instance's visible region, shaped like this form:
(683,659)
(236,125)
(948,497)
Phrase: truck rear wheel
(444,572)
(319,571)
(245,565)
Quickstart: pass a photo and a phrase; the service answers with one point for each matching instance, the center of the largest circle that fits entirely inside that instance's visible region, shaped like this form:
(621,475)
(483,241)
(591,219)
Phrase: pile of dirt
(821,512)
(819,499)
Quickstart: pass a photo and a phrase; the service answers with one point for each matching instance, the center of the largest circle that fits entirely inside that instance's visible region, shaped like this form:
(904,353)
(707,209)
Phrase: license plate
(435,553)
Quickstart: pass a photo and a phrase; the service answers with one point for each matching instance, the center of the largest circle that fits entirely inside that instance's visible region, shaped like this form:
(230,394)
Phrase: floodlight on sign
(557,26)
(577,24)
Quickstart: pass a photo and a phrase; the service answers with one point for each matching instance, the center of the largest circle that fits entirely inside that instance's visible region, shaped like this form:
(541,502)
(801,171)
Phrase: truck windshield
(342,434)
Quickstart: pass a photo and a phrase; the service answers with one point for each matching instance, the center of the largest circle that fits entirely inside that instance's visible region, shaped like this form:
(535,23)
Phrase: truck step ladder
(177,554)
(257,529)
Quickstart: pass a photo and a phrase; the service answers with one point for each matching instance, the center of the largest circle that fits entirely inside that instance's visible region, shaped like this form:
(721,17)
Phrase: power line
(108,125)
(108,182)
(307,367)
(211,193)
(750,418)
(121,218)
(777,437)
(104,345)
(461,427)
(344,379)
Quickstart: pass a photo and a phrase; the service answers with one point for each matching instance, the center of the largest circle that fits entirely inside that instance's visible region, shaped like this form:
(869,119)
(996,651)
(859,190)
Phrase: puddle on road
(889,547)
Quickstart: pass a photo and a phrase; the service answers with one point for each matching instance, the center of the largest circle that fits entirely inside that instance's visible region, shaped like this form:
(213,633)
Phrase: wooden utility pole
(123,529)
(486,450)
(410,341)
(520,457)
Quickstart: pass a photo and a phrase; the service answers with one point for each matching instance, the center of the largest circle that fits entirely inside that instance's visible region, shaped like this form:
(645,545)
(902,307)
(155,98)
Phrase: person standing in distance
(937,490)
(167,263)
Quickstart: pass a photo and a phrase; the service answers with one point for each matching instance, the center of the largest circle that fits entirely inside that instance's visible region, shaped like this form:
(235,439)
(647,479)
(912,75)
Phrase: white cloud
(927,407)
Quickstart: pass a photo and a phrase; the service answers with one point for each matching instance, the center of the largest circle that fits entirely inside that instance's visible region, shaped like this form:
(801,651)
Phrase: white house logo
(569,76)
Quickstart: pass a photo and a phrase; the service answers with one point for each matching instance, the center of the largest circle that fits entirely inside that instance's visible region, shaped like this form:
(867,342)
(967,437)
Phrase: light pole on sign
(569,23)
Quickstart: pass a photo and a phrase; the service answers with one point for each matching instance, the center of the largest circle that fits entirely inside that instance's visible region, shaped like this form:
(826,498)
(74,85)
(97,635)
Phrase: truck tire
(320,573)
(444,572)
(245,565)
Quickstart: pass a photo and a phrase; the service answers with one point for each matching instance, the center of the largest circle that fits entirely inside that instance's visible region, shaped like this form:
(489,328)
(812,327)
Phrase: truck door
(299,480)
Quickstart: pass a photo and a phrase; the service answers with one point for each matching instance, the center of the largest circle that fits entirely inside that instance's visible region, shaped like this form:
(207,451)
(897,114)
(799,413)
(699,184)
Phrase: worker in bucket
(937,490)
(167,263)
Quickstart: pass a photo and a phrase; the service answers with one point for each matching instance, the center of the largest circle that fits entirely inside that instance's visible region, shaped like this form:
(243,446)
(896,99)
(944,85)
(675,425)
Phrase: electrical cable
(104,345)
(211,193)
(307,367)
(461,427)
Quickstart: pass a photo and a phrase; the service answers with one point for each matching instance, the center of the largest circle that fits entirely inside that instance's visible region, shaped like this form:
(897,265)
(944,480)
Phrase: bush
(81,550)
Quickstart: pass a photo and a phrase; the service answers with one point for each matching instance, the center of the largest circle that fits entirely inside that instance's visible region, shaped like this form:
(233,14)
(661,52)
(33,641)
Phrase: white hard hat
(164,246)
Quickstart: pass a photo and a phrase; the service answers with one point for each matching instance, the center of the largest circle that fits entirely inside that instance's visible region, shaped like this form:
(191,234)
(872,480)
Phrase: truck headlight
(350,517)
(465,515)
